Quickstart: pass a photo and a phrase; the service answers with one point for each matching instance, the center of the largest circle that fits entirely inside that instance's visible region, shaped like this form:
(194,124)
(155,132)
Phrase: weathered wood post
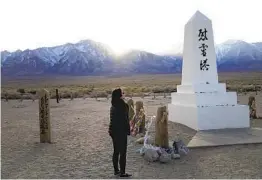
(57,96)
(131,113)
(252,107)
(140,117)
(161,127)
(44,117)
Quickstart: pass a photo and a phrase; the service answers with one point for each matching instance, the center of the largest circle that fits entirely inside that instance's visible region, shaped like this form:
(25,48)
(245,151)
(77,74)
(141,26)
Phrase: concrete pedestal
(206,107)
(210,117)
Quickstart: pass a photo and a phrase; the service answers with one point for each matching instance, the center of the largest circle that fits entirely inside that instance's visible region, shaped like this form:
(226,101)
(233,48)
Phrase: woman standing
(119,129)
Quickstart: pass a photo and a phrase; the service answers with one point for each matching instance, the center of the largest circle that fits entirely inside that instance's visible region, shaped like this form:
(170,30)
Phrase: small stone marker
(44,117)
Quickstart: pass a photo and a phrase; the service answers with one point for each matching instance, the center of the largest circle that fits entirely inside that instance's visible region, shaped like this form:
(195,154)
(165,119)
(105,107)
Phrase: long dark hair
(117,101)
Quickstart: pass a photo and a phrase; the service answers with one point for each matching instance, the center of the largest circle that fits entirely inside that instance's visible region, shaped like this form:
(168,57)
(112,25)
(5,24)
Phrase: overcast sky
(153,25)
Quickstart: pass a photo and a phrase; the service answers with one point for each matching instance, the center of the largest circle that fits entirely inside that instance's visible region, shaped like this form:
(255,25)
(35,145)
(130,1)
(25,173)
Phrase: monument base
(197,88)
(222,137)
(210,117)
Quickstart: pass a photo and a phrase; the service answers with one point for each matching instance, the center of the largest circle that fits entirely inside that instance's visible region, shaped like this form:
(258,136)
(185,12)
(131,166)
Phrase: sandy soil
(81,147)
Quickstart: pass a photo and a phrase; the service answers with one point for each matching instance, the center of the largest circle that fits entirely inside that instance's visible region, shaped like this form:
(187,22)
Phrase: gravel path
(81,147)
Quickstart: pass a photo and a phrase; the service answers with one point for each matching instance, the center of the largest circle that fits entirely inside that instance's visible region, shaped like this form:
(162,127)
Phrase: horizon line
(110,48)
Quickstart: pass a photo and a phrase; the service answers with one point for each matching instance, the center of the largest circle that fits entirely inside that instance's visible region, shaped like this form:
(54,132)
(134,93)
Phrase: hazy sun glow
(152,25)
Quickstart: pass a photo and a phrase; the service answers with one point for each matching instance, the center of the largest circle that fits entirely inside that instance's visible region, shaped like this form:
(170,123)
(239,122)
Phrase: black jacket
(119,122)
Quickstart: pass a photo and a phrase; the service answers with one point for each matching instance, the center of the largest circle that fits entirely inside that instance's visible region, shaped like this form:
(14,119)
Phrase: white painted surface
(201,102)
(212,117)
(204,99)
(191,73)
(197,88)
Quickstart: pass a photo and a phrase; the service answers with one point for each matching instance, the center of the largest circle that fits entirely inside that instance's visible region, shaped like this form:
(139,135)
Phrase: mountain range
(88,57)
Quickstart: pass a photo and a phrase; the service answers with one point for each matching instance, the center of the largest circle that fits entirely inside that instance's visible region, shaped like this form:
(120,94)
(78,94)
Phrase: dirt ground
(81,146)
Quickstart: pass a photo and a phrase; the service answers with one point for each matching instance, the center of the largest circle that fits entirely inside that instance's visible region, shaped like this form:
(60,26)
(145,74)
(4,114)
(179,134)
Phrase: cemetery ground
(81,146)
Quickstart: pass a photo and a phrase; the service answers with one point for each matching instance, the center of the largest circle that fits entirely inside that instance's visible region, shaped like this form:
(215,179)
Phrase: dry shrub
(139,94)
(26,96)
(145,89)
(52,96)
(99,94)
(20,90)
(128,91)
(13,96)
(77,95)
(32,92)
(232,88)
(109,91)
(250,88)
(164,89)
(170,89)
(84,91)
(158,90)
(65,95)
(243,88)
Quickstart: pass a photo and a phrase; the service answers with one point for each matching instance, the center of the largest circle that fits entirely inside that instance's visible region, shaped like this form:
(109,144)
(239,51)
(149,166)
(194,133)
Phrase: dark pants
(120,146)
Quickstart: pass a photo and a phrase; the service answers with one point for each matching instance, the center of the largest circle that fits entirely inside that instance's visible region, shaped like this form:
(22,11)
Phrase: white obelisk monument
(202,103)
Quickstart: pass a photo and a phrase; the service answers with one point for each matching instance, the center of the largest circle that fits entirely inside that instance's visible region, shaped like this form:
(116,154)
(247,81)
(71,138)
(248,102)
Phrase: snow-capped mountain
(239,55)
(144,62)
(236,48)
(89,57)
(84,57)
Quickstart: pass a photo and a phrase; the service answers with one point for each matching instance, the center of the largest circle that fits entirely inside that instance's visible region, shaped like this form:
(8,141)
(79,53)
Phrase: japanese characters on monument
(204,66)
